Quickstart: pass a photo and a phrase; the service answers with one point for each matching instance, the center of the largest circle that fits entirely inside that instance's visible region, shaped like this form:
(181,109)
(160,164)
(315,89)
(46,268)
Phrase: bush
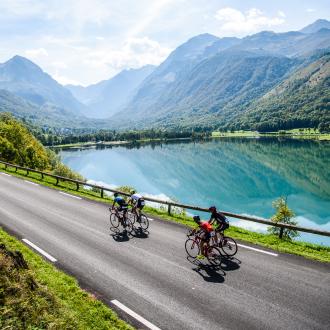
(283,214)
(65,171)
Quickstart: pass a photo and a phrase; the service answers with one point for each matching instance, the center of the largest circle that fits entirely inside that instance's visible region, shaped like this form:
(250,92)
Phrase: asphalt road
(152,276)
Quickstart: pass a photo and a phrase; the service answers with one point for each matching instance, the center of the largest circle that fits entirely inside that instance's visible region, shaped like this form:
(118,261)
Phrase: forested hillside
(19,146)
(302,100)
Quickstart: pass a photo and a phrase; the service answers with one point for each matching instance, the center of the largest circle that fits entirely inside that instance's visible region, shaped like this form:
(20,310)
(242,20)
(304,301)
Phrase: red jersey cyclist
(206,233)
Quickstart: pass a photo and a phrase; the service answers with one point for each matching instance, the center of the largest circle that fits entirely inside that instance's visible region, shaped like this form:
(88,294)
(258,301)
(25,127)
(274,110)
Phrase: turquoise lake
(237,175)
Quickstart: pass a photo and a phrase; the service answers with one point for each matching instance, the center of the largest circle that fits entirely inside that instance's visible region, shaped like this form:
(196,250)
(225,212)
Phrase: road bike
(118,217)
(211,252)
(227,245)
(138,217)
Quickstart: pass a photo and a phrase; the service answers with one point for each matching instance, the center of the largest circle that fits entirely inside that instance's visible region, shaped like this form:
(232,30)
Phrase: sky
(86,41)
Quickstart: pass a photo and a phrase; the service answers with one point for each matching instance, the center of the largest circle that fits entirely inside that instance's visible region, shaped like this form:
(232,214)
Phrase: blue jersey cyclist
(120,201)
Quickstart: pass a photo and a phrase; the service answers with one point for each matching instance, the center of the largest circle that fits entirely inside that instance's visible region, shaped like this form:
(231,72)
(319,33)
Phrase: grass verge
(308,250)
(42,297)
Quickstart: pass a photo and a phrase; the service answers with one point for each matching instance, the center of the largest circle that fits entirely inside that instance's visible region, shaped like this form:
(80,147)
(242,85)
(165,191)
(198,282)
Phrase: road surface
(150,282)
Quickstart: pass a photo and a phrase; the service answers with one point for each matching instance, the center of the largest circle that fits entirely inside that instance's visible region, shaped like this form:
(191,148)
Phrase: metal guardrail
(171,204)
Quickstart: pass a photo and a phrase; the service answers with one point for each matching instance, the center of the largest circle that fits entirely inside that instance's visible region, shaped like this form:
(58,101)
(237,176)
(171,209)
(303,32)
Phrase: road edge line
(35,247)
(134,315)
(258,250)
(63,193)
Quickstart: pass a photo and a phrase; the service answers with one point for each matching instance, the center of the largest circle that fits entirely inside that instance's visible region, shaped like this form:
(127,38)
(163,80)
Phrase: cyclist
(122,206)
(207,230)
(218,218)
(137,202)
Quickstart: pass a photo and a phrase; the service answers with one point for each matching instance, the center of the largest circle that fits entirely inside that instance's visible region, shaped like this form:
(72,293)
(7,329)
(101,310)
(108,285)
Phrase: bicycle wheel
(129,225)
(144,222)
(228,246)
(114,220)
(214,255)
(192,248)
(131,216)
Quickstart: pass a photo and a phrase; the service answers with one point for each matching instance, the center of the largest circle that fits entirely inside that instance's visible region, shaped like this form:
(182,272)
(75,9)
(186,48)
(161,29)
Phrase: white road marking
(35,184)
(258,250)
(5,174)
(48,256)
(63,193)
(136,316)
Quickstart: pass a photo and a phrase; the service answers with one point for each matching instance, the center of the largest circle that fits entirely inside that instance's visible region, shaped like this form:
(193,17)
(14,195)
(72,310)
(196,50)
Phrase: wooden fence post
(56,181)
(77,186)
(169,209)
(281,233)
(102,192)
(42,176)
(27,172)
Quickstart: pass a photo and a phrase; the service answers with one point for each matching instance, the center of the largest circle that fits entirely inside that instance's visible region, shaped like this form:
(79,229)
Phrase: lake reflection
(237,175)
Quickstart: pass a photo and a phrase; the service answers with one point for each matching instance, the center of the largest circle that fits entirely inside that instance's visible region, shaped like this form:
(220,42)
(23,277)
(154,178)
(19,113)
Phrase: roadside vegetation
(19,146)
(36,295)
(286,245)
(297,133)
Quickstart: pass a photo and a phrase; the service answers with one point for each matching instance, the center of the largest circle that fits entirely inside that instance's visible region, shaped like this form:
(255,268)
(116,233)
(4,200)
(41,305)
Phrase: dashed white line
(5,174)
(136,316)
(48,256)
(258,250)
(35,184)
(63,193)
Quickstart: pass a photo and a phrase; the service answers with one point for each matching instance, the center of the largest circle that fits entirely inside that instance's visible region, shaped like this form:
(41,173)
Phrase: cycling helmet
(212,209)
(197,218)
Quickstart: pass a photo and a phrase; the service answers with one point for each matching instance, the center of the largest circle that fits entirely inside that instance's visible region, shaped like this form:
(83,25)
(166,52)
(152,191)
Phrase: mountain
(208,81)
(216,87)
(45,115)
(301,100)
(290,44)
(109,96)
(316,26)
(25,79)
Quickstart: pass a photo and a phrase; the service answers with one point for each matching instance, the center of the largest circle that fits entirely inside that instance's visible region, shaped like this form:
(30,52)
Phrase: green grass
(308,250)
(57,303)
(235,134)
(301,133)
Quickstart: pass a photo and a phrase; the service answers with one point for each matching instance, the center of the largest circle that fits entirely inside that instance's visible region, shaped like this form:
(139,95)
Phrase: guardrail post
(77,186)
(281,233)
(42,176)
(169,209)
(27,172)
(102,192)
(57,181)
(5,166)
(16,169)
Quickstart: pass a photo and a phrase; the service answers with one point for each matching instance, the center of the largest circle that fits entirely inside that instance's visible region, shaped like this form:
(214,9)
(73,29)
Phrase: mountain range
(264,81)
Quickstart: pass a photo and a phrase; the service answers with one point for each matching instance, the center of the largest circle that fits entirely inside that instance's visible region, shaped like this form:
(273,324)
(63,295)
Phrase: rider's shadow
(230,263)
(140,233)
(119,236)
(209,273)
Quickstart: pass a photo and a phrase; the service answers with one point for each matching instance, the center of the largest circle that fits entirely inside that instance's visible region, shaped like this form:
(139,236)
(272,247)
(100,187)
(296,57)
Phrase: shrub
(283,214)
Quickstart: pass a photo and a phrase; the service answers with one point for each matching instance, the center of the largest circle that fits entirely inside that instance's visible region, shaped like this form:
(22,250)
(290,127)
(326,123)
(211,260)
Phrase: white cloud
(236,22)
(36,53)
(310,10)
(135,53)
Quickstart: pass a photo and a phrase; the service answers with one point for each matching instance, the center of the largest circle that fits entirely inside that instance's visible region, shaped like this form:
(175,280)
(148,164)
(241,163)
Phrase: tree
(284,215)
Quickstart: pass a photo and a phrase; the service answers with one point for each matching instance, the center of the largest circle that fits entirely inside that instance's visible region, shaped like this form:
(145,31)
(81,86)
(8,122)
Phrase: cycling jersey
(138,201)
(206,226)
(120,201)
(220,219)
